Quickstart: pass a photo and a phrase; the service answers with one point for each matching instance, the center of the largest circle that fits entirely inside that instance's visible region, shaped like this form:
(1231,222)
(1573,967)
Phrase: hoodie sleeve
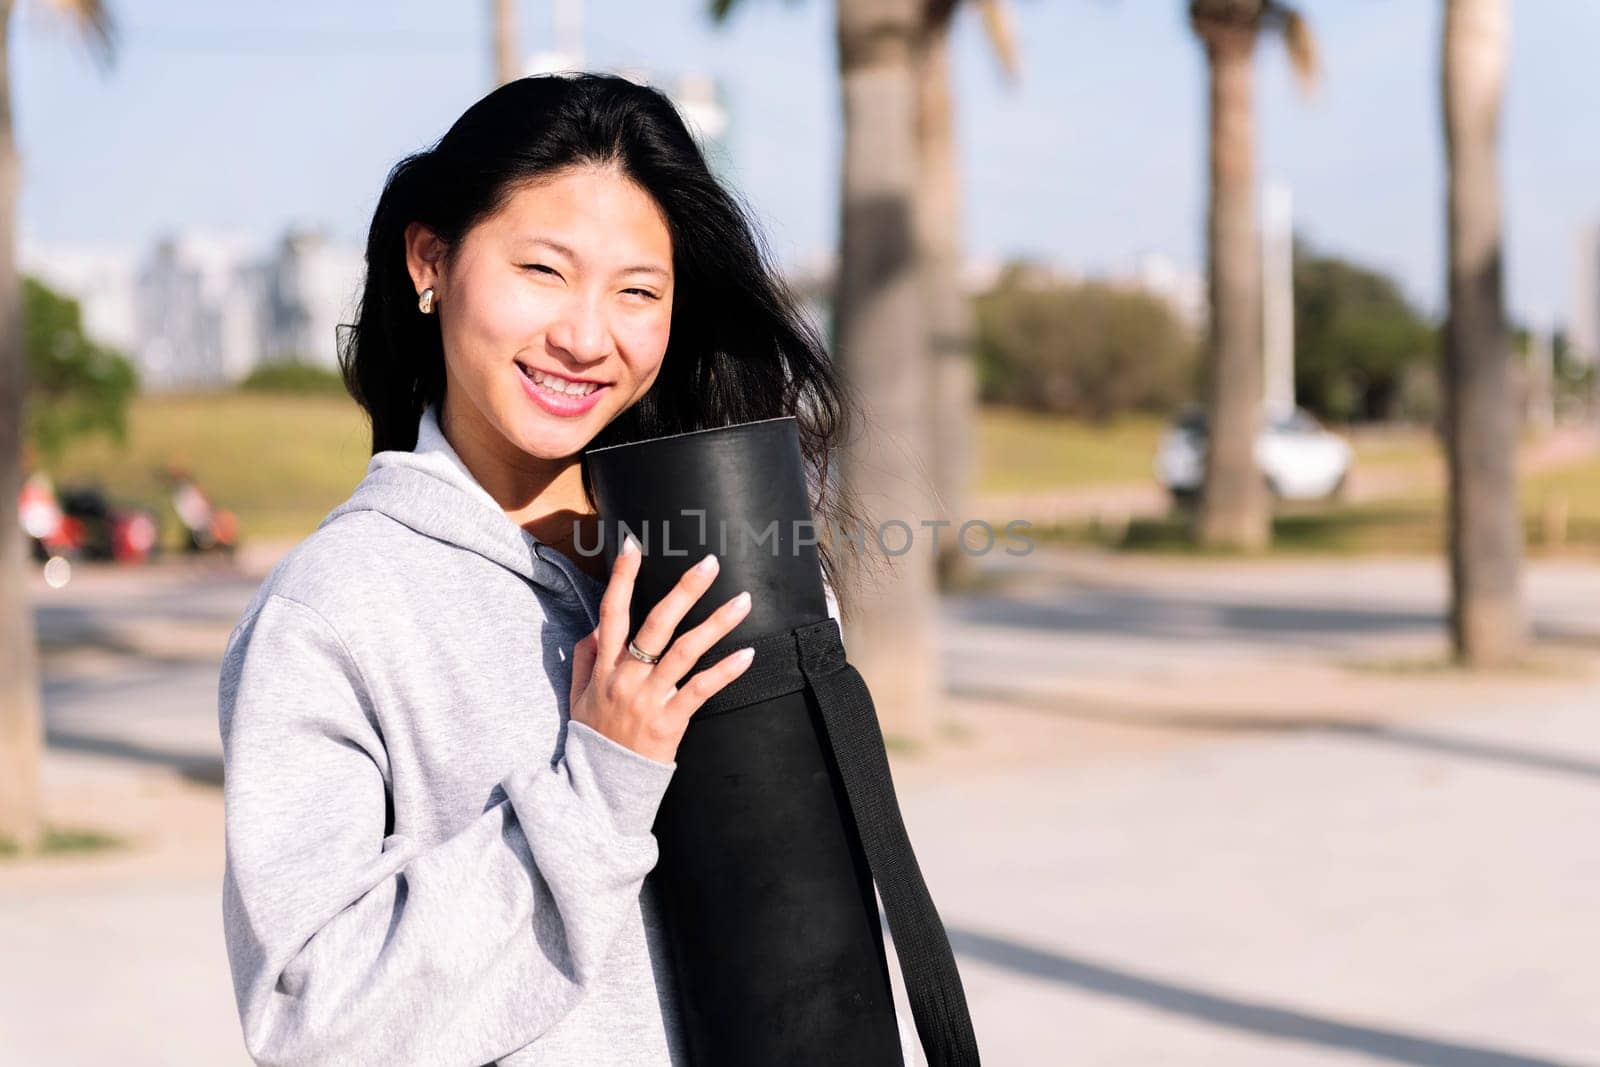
(349,944)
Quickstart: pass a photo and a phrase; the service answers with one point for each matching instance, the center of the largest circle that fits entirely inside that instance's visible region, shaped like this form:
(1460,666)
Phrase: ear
(424,258)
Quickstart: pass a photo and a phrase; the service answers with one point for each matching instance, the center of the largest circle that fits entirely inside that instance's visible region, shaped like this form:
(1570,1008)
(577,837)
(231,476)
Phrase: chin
(552,439)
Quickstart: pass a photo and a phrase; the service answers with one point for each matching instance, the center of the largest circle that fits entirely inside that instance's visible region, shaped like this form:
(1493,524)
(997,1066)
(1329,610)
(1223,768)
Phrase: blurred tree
(75,387)
(948,315)
(1089,349)
(1575,375)
(1233,503)
(21,726)
(1356,339)
(1480,417)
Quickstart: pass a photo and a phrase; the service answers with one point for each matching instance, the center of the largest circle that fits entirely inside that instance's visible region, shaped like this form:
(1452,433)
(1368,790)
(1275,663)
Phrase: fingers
(584,654)
(707,683)
(692,644)
(656,632)
(612,633)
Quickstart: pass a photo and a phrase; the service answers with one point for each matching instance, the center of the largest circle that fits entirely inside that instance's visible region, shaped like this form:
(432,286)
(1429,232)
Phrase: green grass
(280,462)
(1409,448)
(1024,451)
(61,840)
(1029,452)
(1569,493)
(1533,666)
(900,745)
(1408,527)
(1353,530)
(283,461)
(1021,451)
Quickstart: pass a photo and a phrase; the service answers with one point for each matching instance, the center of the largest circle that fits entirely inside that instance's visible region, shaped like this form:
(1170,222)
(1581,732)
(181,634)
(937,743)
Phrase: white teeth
(560,385)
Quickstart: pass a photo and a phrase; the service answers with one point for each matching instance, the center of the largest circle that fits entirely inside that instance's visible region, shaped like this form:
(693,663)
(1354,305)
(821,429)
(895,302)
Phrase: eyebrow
(567,251)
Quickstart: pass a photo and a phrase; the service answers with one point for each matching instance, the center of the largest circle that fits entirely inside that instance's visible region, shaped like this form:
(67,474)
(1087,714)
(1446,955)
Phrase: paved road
(1062,617)
(1421,897)
(1401,890)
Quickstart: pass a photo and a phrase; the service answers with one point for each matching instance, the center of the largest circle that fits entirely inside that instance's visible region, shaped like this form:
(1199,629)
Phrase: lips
(558,394)
(558,383)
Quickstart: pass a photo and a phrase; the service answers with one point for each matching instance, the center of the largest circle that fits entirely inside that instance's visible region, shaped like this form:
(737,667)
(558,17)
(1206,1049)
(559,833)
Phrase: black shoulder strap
(814,656)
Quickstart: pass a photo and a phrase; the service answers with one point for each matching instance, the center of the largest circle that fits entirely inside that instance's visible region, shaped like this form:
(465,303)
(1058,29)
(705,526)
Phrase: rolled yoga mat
(781,814)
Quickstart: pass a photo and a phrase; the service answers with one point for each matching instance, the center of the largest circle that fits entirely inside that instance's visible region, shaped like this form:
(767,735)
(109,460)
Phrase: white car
(1301,459)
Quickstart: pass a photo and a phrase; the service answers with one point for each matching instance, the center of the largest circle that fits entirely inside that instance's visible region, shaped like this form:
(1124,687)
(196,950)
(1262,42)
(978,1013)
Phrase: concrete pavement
(1215,813)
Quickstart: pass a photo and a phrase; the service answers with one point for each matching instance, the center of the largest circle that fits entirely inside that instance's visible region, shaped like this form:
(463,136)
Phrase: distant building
(702,103)
(697,96)
(200,317)
(203,310)
(100,278)
(1584,329)
(312,286)
(1184,291)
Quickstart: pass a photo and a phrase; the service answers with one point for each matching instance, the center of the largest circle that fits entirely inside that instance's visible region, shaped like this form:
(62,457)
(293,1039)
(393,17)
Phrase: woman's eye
(643,292)
(540,268)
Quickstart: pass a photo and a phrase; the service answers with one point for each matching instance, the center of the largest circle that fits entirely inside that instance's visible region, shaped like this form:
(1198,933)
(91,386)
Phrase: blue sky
(248,118)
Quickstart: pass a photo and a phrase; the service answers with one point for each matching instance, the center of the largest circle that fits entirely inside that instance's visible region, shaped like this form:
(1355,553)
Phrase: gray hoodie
(427,862)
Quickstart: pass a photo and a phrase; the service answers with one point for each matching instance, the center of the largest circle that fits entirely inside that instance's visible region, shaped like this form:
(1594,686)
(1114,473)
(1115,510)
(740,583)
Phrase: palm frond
(92,18)
(997,26)
(719,10)
(1247,13)
(1298,40)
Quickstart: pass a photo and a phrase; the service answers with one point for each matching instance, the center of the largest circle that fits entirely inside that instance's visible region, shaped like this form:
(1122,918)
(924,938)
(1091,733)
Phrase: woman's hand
(640,705)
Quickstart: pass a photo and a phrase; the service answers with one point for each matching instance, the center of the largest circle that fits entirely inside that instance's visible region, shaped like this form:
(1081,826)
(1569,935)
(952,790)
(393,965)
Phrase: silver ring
(640,654)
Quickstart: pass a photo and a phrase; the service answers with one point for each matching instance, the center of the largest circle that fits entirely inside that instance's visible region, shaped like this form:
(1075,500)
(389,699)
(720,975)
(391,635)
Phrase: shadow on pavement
(198,768)
(1133,613)
(1378,732)
(1256,1018)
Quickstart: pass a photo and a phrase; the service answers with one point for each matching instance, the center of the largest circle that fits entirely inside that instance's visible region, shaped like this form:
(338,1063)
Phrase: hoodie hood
(431,491)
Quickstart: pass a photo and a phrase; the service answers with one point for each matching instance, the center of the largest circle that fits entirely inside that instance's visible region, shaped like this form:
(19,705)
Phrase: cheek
(502,314)
(644,341)
(490,316)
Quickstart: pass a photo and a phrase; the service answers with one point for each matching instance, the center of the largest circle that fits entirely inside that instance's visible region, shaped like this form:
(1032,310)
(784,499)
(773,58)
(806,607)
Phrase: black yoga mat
(782,813)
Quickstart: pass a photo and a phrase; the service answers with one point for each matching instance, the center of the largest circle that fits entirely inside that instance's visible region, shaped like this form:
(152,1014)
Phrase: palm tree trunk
(503,45)
(881,348)
(1233,506)
(949,318)
(21,728)
(1480,424)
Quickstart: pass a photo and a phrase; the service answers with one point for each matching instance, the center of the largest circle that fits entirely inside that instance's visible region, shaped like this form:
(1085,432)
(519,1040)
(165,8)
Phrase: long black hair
(739,349)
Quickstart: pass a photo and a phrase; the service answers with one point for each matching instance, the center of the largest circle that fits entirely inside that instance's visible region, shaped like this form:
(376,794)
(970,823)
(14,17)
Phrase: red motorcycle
(82,523)
(207,528)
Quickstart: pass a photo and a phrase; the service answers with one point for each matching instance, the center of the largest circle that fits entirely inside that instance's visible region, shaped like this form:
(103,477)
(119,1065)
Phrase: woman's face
(554,311)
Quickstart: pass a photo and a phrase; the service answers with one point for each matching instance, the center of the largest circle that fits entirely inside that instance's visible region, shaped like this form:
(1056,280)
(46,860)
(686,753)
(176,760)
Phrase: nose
(580,331)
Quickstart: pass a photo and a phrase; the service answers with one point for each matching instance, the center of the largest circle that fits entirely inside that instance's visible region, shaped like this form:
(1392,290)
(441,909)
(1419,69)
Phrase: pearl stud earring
(425,301)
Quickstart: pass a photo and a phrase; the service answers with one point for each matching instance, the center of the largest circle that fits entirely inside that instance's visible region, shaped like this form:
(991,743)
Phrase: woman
(443,754)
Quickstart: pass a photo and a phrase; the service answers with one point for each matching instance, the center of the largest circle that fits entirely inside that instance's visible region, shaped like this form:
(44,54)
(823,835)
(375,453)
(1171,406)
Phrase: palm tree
(880,344)
(1480,423)
(898,301)
(21,721)
(1234,509)
(952,376)
(503,39)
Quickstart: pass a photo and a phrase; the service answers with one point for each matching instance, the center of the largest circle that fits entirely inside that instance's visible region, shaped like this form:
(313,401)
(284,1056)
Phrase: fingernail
(708,564)
(745,655)
(629,545)
(741,602)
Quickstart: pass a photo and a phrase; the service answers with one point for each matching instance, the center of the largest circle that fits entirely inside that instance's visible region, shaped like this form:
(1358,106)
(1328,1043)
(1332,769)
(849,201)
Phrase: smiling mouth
(556,384)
